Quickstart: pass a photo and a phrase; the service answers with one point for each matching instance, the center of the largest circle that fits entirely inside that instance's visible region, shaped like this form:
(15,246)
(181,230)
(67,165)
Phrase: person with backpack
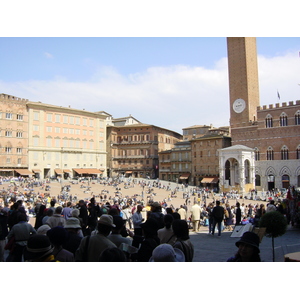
(218,217)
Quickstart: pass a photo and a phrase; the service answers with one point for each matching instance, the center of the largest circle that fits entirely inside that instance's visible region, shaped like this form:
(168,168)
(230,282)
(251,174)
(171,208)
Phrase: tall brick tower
(243,80)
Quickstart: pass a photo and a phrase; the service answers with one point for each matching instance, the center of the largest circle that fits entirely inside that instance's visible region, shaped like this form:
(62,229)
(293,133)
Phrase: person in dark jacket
(238,214)
(218,217)
(3,232)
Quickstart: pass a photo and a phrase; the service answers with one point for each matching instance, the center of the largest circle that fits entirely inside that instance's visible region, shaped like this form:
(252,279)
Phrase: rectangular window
(8,116)
(65,119)
(19,134)
(77,121)
(8,133)
(57,118)
(84,120)
(8,149)
(36,141)
(65,130)
(36,128)
(49,117)
(57,130)
(71,120)
(49,129)
(49,142)
(19,117)
(36,116)
(19,150)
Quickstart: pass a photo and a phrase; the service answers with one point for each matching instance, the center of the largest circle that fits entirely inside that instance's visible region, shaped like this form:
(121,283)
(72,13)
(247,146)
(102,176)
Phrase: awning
(67,171)
(210,180)
(58,171)
(36,171)
(184,176)
(87,171)
(128,172)
(6,170)
(24,172)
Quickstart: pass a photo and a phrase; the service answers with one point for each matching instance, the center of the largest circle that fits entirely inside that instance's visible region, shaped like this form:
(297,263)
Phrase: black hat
(249,238)
(57,235)
(38,246)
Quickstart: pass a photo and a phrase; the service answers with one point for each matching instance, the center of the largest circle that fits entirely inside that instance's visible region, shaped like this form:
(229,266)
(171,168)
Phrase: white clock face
(239,105)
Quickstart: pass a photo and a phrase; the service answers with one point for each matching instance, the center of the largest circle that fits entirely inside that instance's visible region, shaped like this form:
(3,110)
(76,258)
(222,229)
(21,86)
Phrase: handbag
(11,244)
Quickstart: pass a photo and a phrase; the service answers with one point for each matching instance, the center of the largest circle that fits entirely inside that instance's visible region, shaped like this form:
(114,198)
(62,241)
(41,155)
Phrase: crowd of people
(111,228)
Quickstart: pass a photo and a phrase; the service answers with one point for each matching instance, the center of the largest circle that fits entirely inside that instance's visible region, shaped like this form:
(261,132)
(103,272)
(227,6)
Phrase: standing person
(137,220)
(195,216)
(57,236)
(73,239)
(83,215)
(218,217)
(92,246)
(259,213)
(126,215)
(156,213)
(238,214)
(183,242)
(248,248)
(271,206)
(3,232)
(210,217)
(229,216)
(57,219)
(150,241)
(182,212)
(66,212)
(21,232)
(166,234)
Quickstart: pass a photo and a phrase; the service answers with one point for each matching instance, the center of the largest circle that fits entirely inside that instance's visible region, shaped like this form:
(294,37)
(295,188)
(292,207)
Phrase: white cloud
(48,55)
(172,97)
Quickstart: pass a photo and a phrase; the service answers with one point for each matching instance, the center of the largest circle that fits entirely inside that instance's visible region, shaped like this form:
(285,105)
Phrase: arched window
(283,119)
(284,153)
(270,154)
(269,121)
(297,117)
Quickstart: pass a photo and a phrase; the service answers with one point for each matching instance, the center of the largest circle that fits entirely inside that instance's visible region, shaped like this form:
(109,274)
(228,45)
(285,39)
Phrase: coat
(196,212)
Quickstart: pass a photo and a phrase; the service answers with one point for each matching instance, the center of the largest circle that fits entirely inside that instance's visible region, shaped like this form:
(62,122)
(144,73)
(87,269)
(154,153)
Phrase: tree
(275,224)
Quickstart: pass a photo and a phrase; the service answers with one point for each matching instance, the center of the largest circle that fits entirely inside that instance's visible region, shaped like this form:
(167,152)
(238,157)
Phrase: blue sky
(164,62)
(169,82)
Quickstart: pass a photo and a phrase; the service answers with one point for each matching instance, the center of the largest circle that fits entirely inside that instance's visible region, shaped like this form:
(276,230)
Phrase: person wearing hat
(248,248)
(73,239)
(57,236)
(91,247)
(166,253)
(38,249)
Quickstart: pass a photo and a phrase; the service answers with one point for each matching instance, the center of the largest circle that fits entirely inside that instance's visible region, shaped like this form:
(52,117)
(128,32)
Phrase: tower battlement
(10,97)
(278,105)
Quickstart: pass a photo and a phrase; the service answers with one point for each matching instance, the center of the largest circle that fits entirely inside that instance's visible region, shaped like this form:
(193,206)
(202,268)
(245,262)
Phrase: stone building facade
(176,164)
(65,142)
(271,133)
(14,136)
(134,149)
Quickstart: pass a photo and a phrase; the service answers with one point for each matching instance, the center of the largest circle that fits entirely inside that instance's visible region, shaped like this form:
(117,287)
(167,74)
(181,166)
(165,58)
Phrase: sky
(168,79)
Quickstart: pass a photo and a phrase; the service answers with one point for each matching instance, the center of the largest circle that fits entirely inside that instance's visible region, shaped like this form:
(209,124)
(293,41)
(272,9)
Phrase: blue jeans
(215,222)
